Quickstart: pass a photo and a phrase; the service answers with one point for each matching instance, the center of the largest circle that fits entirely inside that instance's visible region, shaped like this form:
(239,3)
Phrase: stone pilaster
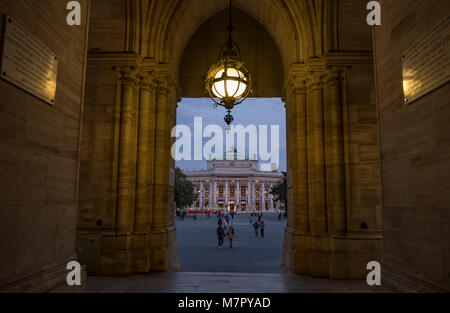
(116,258)
(162,241)
(335,172)
(143,212)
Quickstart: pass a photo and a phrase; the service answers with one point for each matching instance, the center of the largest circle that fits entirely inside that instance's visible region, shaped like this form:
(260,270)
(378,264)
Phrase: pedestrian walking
(230,235)
(261,227)
(256,226)
(220,235)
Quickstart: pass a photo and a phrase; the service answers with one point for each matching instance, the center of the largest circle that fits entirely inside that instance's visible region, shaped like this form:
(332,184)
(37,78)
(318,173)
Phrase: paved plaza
(199,251)
(252,265)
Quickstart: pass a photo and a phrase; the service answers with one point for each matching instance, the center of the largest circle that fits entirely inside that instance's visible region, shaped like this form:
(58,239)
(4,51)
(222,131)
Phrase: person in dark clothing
(256,226)
(220,235)
(230,235)
(261,227)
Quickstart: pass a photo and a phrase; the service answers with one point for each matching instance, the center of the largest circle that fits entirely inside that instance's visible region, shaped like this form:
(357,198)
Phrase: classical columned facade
(235,185)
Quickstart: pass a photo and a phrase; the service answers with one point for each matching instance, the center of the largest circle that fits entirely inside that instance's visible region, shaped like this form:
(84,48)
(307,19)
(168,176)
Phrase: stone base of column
(163,248)
(327,257)
(141,253)
(116,255)
(297,253)
(350,255)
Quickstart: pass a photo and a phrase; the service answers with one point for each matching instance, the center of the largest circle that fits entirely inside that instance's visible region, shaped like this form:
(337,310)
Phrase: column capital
(334,75)
(163,84)
(146,81)
(128,76)
(315,81)
(300,86)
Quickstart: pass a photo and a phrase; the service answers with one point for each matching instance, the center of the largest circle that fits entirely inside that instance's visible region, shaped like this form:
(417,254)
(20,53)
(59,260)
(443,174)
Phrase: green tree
(184,190)
(279,191)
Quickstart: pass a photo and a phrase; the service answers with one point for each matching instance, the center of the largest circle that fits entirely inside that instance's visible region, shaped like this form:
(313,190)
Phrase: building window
(207,192)
(197,204)
(267,206)
(231,191)
(220,191)
(198,191)
(206,204)
(243,193)
(243,207)
(257,192)
(257,206)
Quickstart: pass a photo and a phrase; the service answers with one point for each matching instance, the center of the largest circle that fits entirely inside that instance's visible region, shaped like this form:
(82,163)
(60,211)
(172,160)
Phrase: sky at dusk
(253,111)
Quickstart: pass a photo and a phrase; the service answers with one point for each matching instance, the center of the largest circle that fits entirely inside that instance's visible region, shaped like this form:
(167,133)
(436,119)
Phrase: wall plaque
(27,63)
(426,65)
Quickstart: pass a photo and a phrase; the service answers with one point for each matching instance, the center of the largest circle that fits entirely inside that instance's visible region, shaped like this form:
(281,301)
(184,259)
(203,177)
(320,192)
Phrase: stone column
(215,193)
(238,195)
(271,197)
(117,259)
(163,235)
(263,197)
(145,149)
(249,199)
(301,214)
(226,195)
(336,194)
(124,216)
(142,218)
(201,194)
(316,157)
(211,204)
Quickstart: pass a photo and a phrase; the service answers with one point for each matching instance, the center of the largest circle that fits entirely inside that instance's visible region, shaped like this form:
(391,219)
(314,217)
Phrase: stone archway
(131,96)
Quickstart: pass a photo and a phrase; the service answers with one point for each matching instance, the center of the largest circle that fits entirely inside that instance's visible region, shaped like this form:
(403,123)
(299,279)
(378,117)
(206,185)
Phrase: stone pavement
(185,282)
(251,266)
(199,252)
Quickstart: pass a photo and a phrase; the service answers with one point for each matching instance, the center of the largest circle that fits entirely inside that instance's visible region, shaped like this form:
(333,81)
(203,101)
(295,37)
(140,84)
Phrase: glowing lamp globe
(228,83)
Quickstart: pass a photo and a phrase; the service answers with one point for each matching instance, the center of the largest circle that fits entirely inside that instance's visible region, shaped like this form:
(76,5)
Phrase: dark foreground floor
(198,282)
(199,252)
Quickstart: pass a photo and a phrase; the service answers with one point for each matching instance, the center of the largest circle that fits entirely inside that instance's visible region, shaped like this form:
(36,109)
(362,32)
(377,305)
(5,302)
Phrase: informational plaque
(426,64)
(27,63)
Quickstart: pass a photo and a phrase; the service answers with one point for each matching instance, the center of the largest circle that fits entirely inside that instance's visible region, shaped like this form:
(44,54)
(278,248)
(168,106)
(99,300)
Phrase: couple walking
(223,231)
(258,224)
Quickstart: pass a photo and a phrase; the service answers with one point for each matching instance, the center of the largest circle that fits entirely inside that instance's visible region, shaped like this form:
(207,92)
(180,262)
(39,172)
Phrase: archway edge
(290,23)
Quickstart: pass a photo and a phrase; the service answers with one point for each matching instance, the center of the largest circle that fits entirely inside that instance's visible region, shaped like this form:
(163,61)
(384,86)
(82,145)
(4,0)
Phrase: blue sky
(253,111)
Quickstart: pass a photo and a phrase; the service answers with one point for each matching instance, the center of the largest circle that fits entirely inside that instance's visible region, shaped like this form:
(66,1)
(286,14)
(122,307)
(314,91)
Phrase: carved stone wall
(39,146)
(415,154)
